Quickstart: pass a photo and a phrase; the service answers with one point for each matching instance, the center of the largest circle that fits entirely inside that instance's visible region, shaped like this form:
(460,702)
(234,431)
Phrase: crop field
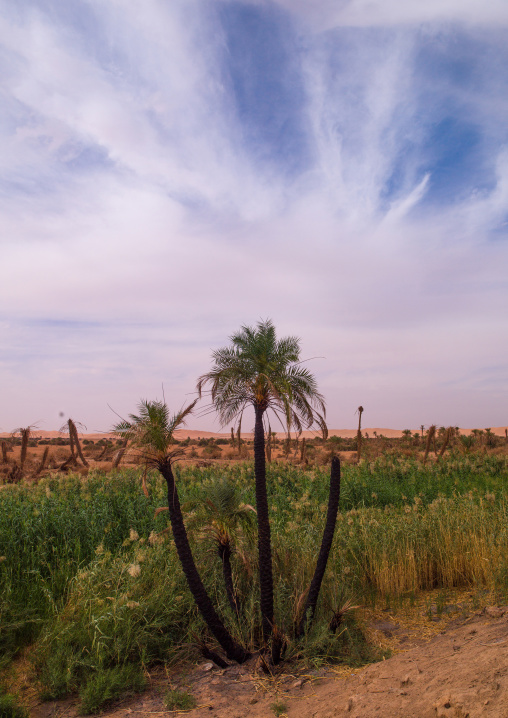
(90,579)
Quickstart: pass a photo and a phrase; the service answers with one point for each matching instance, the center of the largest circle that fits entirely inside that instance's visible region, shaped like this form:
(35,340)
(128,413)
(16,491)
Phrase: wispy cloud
(169,172)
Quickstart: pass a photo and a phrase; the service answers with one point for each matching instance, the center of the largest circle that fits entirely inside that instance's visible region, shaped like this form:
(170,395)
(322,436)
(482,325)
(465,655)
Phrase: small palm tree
(265,373)
(152,432)
(225,521)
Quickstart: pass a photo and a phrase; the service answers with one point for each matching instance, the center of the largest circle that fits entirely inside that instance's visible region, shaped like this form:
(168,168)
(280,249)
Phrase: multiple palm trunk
(234,651)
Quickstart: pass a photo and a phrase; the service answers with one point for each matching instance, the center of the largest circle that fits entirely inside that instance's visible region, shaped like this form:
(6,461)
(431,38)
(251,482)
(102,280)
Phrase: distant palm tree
(152,432)
(260,371)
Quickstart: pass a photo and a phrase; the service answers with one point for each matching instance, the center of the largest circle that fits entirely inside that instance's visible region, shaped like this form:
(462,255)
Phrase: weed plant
(279,708)
(179,701)
(107,686)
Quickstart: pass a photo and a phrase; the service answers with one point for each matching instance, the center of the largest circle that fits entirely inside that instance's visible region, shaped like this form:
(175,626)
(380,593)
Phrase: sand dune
(200,434)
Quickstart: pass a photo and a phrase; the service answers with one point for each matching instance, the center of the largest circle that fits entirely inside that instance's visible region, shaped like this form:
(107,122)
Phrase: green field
(89,582)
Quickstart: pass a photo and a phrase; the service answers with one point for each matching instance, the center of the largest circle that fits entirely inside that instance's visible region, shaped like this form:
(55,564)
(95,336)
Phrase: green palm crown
(259,370)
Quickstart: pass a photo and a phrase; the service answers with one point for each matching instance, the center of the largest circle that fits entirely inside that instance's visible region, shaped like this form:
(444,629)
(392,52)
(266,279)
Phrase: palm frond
(260,370)
(151,430)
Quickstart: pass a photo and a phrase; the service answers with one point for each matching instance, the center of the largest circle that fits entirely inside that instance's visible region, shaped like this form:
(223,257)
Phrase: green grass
(10,708)
(83,577)
(179,701)
(109,685)
(278,708)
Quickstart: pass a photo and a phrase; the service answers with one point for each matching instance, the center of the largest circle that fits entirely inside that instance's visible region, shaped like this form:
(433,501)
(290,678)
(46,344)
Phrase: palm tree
(224,520)
(152,432)
(259,371)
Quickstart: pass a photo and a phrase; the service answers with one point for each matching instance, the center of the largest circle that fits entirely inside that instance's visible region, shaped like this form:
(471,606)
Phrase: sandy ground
(461,672)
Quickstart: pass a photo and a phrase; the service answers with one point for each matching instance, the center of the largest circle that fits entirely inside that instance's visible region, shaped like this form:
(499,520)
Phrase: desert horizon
(199,434)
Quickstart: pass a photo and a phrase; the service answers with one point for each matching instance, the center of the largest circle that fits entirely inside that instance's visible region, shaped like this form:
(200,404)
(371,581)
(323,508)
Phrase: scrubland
(92,592)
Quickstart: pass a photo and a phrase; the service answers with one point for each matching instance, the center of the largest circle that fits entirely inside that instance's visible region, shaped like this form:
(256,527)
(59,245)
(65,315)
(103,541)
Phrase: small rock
(406,681)
(253,701)
(297,684)
(207,666)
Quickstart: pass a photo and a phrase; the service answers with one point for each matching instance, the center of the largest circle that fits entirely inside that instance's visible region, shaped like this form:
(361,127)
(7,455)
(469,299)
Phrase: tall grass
(84,573)
(47,532)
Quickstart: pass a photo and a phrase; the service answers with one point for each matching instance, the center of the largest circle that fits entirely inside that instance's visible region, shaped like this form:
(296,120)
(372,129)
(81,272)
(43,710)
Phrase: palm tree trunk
(326,545)
(25,435)
(74,432)
(233,650)
(359,435)
(227,573)
(264,542)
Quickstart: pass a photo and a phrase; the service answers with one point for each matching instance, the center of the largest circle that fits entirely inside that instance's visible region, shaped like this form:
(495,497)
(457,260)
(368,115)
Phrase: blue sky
(172,171)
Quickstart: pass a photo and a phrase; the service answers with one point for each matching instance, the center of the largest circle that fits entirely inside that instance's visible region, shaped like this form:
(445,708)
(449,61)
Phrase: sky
(173,171)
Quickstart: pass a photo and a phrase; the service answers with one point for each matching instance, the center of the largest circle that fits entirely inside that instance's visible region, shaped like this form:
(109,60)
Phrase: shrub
(279,708)
(9,708)
(212,452)
(179,701)
(109,685)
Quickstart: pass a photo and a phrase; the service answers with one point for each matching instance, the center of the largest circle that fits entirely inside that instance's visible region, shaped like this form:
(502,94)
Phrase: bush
(279,708)
(109,685)
(212,452)
(9,708)
(179,701)
(133,606)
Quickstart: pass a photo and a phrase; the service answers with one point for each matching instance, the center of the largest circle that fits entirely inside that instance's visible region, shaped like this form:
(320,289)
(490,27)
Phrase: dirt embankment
(462,672)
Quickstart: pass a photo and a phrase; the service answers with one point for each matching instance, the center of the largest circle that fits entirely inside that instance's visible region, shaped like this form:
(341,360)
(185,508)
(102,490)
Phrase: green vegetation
(279,708)
(179,701)
(9,707)
(88,576)
(151,432)
(109,685)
